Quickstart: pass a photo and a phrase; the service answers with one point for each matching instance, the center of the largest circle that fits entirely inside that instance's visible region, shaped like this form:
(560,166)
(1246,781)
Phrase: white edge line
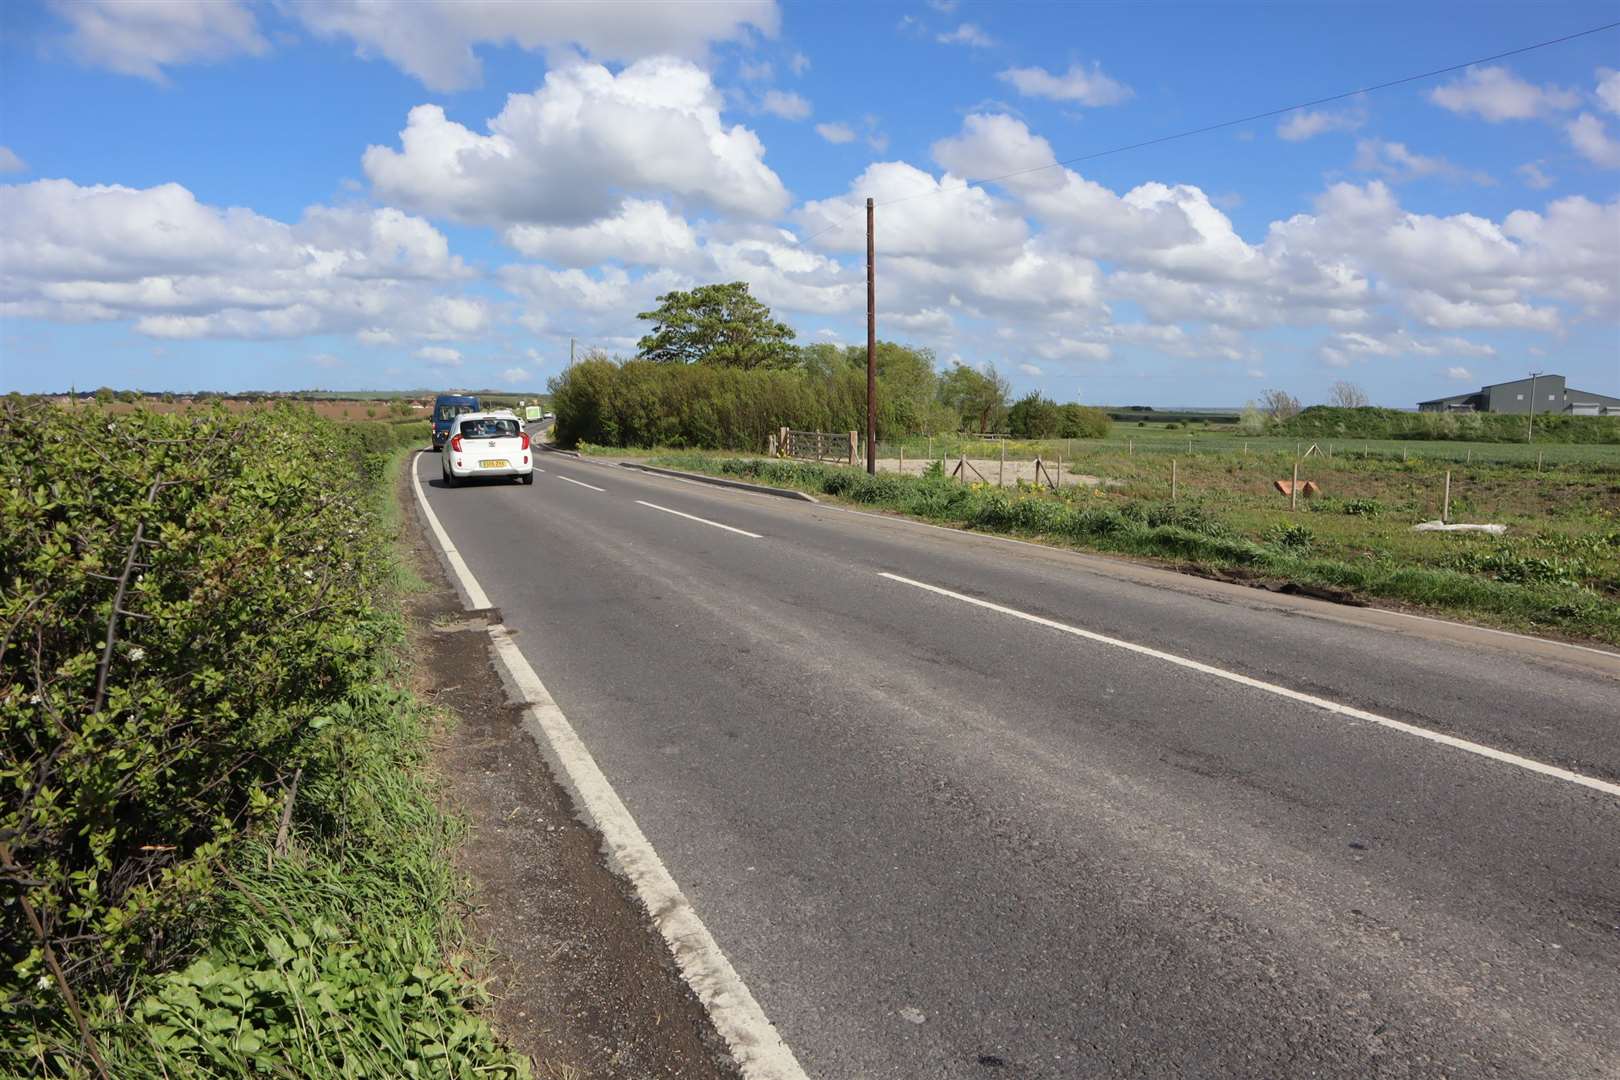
(581,483)
(694,517)
(1453,741)
(1101,555)
(758,1049)
(469,584)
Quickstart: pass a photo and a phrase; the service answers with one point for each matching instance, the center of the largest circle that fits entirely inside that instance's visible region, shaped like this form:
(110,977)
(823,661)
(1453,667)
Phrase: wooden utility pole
(871,351)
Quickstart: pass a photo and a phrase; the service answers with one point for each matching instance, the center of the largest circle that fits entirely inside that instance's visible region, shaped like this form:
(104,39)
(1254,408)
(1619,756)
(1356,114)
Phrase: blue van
(446,407)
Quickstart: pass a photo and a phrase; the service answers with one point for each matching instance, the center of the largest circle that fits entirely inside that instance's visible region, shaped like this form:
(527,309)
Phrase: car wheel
(449,478)
(528,478)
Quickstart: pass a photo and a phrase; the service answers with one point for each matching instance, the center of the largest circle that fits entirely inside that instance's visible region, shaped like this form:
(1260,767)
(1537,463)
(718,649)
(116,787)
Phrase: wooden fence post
(1445,507)
(902,459)
(1001,472)
(770,444)
(1172,479)
(1059,472)
(784,443)
(1293,492)
(854,446)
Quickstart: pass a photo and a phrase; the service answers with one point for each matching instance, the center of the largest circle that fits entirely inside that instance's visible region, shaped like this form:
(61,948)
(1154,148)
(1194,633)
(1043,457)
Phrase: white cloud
(144,38)
(1395,161)
(10,162)
(439,356)
(799,63)
(966,223)
(966,34)
(836,133)
(1347,346)
(179,268)
(1608,90)
(434,40)
(325,360)
(755,72)
(1029,369)
(787,105)
(1591,138)
(1077,85)
(934,321)
(1460,374)
(515,376)
(1534,177)
(1497,94)
(642,232)
(568,152)
(1307,124)
(1357,260)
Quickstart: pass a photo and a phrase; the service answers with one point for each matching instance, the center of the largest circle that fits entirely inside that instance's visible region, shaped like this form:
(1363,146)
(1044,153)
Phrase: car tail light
(525,440)
(455,443)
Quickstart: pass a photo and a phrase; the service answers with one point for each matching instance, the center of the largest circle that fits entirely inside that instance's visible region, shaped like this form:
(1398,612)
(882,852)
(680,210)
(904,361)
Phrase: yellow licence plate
(493,463)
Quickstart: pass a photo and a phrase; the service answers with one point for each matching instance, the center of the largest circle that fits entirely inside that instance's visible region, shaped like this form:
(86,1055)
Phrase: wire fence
(1160,443)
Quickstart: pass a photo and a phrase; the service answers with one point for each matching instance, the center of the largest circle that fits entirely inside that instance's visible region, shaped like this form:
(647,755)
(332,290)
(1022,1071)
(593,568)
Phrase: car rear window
(451,411)
(490,427)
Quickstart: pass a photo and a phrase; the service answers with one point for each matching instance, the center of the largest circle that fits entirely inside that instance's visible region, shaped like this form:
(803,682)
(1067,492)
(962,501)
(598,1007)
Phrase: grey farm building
(1541,394)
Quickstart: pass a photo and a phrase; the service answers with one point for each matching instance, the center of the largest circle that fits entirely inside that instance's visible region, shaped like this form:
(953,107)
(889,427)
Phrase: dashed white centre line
(1480,749)
(694,517)
(581,483)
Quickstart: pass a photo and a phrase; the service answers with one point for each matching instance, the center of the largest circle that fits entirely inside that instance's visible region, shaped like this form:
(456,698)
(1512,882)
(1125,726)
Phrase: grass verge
(1190,536)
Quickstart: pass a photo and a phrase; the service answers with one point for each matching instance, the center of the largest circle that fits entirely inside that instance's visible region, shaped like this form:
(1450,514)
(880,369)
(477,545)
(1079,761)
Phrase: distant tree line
(718,371)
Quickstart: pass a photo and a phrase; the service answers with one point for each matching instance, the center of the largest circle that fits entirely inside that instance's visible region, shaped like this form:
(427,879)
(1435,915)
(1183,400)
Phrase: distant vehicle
(548,416)
(486,444)
(446,407)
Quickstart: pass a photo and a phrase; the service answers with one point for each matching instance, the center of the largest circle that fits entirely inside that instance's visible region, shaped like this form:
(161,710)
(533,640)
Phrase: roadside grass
(198,935)
(1557,572)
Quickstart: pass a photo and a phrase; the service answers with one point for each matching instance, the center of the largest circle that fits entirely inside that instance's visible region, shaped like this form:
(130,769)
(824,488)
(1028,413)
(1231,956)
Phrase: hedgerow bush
(1321,421)
(699,406)
(195,610)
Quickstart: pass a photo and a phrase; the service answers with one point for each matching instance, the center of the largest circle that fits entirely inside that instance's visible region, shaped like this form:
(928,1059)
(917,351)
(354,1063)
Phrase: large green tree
(1034,417)
(978,397)
(717,324)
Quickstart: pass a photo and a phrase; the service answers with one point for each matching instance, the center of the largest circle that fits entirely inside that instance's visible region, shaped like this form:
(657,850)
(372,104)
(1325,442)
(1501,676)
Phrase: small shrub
(1292,536)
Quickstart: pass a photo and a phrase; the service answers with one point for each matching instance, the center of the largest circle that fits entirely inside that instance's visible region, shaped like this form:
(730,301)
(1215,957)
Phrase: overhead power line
(1207,128)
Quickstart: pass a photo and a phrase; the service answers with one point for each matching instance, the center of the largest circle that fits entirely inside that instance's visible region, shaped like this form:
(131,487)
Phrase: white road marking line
(758,1049)
(1480,749)
(694,517)
(1105,557)
(581,483)
(475,595)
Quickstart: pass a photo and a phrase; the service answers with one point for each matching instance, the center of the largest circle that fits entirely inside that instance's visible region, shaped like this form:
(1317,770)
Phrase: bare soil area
(582,982)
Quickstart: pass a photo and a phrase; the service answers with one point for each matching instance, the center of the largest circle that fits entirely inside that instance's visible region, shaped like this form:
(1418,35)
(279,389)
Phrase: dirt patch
(582,982)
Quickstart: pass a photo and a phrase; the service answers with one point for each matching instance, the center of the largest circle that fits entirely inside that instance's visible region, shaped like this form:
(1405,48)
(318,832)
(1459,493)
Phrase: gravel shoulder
(581,981)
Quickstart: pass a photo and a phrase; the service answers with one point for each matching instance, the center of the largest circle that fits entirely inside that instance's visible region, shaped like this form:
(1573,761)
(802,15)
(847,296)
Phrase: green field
(1223,439)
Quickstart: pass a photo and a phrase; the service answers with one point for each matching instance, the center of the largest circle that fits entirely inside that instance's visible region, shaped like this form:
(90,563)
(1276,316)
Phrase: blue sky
(237,195)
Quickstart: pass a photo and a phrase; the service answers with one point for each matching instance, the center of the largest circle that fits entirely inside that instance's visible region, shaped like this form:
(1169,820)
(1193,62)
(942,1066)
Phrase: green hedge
(1320,421)
(143,785)
(707,407)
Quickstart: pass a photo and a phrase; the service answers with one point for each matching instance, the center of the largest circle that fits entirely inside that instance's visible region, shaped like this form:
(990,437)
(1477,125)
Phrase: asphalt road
(941,840)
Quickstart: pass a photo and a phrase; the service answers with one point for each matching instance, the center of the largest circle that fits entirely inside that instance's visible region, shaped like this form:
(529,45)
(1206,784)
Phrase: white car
(491,444)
